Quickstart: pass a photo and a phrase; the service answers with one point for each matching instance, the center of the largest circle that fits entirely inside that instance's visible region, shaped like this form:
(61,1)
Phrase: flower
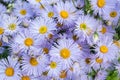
(9,69)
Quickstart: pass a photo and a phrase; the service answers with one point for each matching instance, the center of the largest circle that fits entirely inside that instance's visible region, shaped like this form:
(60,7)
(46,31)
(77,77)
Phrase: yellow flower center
(23,12)
(53,65)
(33,62)
(50,36)
(12,26)
(43,30)
(87,60)
(63,74)
(38,1)
(28,42)
(99,60)
(103,49)
(104,30)
(113,14)
(50,14)
(101,3)
(9,71)
(46,50)
(64,14)
(1,30)
(65,53)
(83,26)
(25,78)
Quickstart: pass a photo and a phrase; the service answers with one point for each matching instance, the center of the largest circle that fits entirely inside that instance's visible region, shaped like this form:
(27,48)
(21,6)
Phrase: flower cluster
(59,39)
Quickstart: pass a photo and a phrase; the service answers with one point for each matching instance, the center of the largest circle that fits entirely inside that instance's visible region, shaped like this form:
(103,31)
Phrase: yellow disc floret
(23,12)
(28,42)
(53,65)
(9,71)
(65,53)
(83,26)
(25,78)
(64,14)
(101,3)
(99,60)
(33,61)
(104,30)
(50,14)
(113,14)
(103,49)
(12,26)
(43,29)
(1,30)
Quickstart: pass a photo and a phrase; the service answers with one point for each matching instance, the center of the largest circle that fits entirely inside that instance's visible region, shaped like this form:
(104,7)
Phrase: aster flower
(85,27)
(22,10)
(9,69)
(42,27)
(105,49)
(102,6)
(66,13)
(32,65)
(66,51)
(11,24)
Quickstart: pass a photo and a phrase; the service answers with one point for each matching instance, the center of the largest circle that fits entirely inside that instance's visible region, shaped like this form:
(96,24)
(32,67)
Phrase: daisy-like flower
(85,27)
(22,10)
(103,30)
(25,40)
(52,2)
(11,25)
(32,65)
(66,13)
(66,51)
(49,12)
(42,27)
(102,6)
(105,49)
(54,68)
(99,63)
(112,16)
(9,69)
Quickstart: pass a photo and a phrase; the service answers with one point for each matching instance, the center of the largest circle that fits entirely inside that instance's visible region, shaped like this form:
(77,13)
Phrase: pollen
(12,26)
(9,71)
(1,30)
(43,30)
(99,60)
(65,53)
(50,14)
(64,14)
(103,49)
(63,74)
(113,14)
(23,12)
(25,78)
(101,3)
(53,65)
(33,61)
(104,30)
(28,42)
(46,50)
(83,26)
